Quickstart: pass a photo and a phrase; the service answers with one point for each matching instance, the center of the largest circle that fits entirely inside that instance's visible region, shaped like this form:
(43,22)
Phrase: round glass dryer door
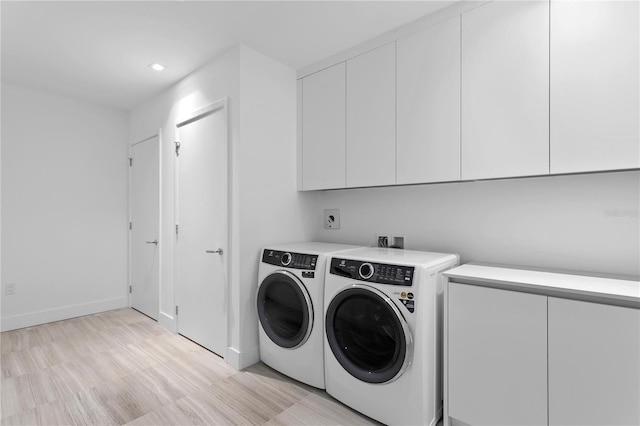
(285,310)
(368,335)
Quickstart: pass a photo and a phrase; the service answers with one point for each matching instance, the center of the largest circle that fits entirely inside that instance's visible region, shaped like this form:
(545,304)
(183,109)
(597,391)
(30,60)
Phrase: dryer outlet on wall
(331,219)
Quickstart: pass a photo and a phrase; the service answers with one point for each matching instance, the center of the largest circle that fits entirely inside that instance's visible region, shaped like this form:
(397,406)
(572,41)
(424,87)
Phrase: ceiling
(100,50)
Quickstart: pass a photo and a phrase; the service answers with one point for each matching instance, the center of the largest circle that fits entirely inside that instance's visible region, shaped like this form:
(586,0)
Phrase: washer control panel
(381,273)
(290,259)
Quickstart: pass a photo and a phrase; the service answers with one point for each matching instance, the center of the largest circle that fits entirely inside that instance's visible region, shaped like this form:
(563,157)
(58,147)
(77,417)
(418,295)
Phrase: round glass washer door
(285,310)
(368,335)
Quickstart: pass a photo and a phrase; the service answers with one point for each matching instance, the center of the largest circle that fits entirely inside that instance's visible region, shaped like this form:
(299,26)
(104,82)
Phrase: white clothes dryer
(290,308)
(383,310)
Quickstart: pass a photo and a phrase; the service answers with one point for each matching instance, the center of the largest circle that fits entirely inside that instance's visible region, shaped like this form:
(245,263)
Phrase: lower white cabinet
(515,358)
(497,356)
(594,364)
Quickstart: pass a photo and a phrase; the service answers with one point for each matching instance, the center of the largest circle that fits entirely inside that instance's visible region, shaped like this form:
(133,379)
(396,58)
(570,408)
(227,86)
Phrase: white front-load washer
(383,312)
(290,308)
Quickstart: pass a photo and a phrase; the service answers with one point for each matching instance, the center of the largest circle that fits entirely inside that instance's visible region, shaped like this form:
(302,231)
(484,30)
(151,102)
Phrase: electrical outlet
(9,289)
(382,240)
(331,219)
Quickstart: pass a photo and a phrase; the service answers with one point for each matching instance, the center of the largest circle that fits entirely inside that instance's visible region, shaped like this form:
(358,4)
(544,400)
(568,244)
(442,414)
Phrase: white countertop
(547,282)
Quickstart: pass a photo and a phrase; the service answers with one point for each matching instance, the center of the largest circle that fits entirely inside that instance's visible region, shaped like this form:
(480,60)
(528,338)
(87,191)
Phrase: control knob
(286,259)
(366,271)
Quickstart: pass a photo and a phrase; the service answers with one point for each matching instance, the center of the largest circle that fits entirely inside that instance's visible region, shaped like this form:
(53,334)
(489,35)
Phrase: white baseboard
(168,322)
(62,313)
(250,356)
(240,360)
(437,417)
(233,357)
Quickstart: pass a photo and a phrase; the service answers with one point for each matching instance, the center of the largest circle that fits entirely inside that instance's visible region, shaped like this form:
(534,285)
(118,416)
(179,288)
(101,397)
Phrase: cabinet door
(497,356)
(595,93)
(323,129)
(428,105)
(371,118)
(594,364)
(505,90)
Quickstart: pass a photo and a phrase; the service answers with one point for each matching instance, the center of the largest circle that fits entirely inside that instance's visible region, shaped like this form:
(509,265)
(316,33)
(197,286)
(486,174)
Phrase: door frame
(222,106)
(157,135)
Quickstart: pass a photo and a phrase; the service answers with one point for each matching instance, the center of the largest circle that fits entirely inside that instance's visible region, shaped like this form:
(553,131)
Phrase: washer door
(285,310)
(368,335)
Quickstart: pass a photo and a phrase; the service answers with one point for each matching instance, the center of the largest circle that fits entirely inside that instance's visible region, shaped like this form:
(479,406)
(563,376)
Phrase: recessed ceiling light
(156,66)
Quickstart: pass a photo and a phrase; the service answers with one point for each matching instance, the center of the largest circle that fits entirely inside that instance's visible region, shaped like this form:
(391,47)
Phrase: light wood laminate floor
(121,367)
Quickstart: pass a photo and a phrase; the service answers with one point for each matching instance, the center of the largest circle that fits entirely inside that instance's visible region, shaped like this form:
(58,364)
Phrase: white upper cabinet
(371,131)
(505,90)
(595,113)
(323,129)
(428,105)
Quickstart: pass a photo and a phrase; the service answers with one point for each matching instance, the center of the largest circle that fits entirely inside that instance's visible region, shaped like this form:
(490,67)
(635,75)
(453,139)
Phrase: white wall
(271,210)
(64,207)
(581,222)
(265,206)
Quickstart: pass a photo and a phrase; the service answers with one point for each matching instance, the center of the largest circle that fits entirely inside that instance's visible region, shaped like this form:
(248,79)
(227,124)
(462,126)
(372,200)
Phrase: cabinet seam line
(548,360)
(460,102)
(395,88)
(549,100)
(346,113)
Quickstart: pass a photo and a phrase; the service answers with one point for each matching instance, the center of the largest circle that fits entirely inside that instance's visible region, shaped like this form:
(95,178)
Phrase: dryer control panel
(289,259)
(381,273)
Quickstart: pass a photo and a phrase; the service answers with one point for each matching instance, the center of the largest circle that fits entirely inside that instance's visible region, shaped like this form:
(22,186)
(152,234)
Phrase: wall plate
(331,219)
(397,241)
(382,240)
(9,289)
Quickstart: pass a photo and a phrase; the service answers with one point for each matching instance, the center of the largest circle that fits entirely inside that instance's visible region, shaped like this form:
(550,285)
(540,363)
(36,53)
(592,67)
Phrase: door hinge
(176,229)
(176,309)
(177,148)
(130,162)
(130,289)
(130,226)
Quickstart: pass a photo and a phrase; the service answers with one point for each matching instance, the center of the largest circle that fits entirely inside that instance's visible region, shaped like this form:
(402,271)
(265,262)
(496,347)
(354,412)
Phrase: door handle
(152,242)
(219,251)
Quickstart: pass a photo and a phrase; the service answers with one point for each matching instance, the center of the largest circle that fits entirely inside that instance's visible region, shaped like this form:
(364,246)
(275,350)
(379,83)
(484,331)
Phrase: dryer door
(285,310)
(368,335)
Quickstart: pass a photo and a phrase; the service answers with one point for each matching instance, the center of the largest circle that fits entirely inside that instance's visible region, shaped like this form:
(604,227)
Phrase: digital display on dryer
(290,259)
(382,273)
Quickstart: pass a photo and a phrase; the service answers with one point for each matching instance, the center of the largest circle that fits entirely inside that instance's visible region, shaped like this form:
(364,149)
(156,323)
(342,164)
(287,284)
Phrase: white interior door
(145,220)
(201,237)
